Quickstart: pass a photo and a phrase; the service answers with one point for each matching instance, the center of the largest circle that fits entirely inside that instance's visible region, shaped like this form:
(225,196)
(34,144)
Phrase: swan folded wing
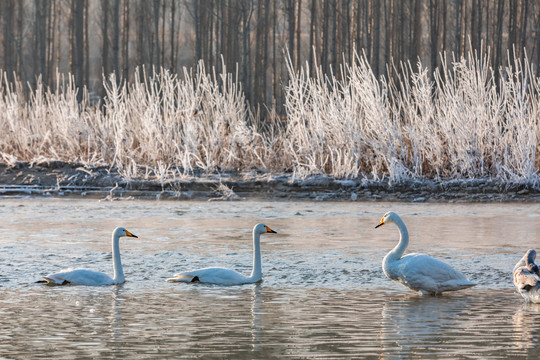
(525,280)
(423,272)
(212,276)
(79,277)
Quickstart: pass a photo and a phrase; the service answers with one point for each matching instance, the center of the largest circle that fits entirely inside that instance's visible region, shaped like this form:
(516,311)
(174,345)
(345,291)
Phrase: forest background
(89,38)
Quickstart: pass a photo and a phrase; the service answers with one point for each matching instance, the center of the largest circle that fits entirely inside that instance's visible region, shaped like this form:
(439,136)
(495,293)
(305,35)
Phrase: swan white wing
(212,276)
(425,273)
(79,277)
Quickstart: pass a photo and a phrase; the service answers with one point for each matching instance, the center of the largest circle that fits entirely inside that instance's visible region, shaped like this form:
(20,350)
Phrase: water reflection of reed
(415,324)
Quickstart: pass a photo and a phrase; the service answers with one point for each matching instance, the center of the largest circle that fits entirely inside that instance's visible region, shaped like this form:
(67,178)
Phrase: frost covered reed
(458,123)
(159,126)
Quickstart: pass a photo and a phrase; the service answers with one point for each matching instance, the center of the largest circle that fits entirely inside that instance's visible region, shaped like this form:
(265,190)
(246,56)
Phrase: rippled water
(323,296)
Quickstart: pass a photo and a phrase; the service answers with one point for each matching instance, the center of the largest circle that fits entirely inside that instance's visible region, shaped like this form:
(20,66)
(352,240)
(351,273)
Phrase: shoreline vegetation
(453,134)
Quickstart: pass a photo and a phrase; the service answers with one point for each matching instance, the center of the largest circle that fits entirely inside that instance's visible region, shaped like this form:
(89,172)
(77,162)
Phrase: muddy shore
(60,179)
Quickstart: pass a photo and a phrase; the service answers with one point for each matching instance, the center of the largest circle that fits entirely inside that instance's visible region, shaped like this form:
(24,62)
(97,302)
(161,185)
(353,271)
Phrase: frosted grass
(456,123)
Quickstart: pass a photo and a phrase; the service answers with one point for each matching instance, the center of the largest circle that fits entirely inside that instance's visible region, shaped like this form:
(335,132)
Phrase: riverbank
(55,178)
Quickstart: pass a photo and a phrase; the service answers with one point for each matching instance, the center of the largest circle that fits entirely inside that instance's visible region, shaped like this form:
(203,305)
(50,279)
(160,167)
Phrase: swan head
(262,229)
(388,218)
(531,266)
(120,231)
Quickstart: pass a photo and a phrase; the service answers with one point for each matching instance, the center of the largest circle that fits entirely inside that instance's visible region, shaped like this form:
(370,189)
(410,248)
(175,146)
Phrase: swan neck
(256,273)
(117,263)
(398,251)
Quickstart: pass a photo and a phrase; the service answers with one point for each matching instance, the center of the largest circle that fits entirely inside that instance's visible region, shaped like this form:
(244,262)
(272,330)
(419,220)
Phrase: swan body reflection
(419,272)
(223,276)
(527,277)
(94,278)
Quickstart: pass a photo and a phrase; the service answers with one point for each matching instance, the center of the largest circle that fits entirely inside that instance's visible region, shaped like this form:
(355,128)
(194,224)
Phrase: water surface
(323,294)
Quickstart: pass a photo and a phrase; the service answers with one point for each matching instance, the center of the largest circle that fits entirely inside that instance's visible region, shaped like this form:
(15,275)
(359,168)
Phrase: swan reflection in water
(256,333)
(116,320)
(525,326)
(412,324)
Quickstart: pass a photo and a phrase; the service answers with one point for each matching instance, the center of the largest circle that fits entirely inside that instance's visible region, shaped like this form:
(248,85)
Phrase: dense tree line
(91,38)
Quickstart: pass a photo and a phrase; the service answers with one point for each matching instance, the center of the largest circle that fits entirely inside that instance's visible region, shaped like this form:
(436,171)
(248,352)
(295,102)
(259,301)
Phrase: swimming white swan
(89,277)
(527,277)
(419,272)
(223,276)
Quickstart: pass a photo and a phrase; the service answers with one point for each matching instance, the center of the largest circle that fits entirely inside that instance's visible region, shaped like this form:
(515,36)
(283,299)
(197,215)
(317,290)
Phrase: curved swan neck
(398,251)
(117,263)
(256,273)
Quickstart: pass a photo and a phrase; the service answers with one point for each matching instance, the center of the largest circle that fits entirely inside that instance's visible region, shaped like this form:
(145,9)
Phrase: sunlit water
(323,296)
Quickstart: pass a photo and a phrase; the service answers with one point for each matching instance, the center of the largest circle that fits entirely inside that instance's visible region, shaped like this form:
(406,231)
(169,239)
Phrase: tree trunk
(376,41)
(86,61)
(523,42)
(116,40)
(78,45)
(155,43)
(125,41)
(172,43)
(298,30)
(433,16)
(312,27)
(498,36)
(20,56)
(7,8)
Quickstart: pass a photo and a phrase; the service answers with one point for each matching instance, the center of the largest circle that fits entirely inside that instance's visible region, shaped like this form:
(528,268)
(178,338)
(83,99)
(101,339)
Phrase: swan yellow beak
(270,230)
(131,235)
(381,223)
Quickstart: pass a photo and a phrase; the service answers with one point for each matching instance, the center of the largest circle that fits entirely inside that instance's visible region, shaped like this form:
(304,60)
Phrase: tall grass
(457,123)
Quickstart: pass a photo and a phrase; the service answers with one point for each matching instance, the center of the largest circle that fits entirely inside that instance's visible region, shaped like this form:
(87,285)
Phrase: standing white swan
(419,272)
(223,276)
(527,277)
(89,277)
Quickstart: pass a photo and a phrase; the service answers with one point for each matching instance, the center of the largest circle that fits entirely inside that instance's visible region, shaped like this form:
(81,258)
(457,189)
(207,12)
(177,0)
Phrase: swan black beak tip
(268,230)
(381,224)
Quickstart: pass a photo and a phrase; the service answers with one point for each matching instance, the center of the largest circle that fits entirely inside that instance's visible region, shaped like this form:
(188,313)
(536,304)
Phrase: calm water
(323,296)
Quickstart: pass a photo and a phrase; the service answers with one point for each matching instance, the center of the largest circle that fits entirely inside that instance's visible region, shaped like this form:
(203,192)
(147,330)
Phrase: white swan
(89,277)
(419,272)
(223,276)
(527,277)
